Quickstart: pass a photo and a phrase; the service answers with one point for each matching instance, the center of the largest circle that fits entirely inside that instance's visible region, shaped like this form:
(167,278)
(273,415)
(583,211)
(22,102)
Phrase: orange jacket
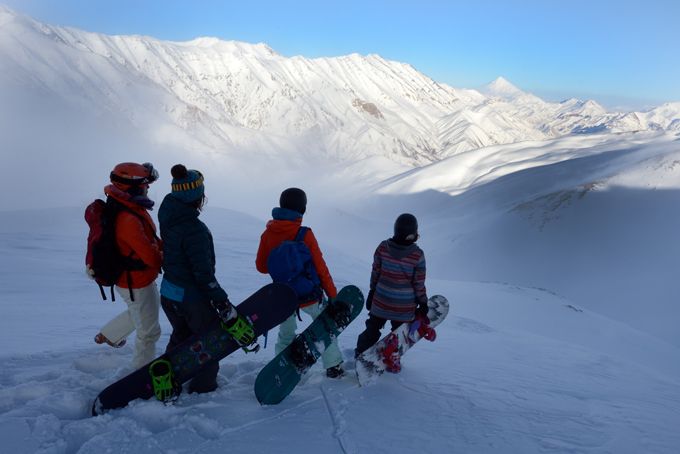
(137,239)
(277,232)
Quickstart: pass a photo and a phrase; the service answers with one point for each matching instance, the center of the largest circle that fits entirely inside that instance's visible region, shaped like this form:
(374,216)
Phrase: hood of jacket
(285,222)
(399,251)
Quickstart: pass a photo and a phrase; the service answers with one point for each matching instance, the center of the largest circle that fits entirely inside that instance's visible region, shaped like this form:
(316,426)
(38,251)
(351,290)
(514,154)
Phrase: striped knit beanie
(187,185)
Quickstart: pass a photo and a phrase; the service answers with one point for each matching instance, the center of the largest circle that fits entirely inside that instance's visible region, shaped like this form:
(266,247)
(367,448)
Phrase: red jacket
(138,238)
(277,232)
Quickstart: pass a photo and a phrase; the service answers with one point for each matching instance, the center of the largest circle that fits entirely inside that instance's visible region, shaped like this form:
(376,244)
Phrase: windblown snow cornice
(354,106)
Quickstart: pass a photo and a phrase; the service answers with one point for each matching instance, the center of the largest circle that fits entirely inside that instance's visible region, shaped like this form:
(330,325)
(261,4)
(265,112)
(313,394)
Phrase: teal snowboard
(283,373)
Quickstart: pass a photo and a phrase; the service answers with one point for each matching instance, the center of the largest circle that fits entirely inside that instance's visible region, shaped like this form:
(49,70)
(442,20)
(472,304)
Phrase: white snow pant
(331,357)
(142,316)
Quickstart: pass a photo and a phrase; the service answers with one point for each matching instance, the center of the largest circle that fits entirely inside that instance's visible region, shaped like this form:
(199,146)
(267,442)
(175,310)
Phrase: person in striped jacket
(397,291)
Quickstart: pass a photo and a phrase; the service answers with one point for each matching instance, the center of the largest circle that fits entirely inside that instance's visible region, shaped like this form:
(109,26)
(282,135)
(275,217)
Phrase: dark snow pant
(371,334)
(188,319)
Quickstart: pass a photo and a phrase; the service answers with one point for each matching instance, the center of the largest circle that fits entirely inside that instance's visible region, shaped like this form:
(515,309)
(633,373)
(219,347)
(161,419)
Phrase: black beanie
(406,228)
(294,199)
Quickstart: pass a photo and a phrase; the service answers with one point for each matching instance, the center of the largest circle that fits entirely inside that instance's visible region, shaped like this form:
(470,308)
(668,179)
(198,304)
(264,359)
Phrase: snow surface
(514,369)
(559,253)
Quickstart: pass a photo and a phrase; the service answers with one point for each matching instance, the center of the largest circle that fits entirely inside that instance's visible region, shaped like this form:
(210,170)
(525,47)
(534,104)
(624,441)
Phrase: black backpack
(103,257)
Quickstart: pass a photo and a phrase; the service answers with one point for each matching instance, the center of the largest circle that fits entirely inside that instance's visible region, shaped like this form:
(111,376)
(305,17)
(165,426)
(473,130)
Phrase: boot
(101,339)
(335,371)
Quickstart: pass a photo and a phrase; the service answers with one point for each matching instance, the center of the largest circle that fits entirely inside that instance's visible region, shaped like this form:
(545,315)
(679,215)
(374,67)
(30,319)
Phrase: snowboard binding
(241,329)
(165,388)
(238,326)
(391,356)
(339,312)
(421,325)
(300,354)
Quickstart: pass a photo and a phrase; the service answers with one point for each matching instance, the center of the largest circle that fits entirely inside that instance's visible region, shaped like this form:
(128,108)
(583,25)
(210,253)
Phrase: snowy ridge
(226,94)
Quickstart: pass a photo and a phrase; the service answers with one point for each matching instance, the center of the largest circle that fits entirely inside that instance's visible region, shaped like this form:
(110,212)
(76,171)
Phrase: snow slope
(592,218)
(514,369)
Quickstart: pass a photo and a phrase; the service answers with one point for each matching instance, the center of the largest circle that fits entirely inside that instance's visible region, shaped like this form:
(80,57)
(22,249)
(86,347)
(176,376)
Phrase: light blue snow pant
(331,357)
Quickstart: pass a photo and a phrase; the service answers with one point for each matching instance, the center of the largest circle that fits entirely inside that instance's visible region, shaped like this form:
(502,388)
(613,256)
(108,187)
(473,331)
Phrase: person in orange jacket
(287,220)
(136,238)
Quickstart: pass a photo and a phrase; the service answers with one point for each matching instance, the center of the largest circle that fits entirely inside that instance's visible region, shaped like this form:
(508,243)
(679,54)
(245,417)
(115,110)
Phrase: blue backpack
(291,263)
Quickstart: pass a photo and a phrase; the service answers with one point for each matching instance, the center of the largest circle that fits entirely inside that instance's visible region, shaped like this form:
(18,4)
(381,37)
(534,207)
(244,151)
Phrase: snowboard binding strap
(340,312)
(391,355)
(241,329)
(300,354)
(164,386)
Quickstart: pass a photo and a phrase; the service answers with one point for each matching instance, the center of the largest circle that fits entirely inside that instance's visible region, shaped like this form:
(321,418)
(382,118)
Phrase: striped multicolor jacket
(398,281)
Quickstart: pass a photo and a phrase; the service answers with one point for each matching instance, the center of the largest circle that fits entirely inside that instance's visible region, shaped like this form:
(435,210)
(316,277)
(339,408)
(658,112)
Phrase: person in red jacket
(136,239)
(287,220)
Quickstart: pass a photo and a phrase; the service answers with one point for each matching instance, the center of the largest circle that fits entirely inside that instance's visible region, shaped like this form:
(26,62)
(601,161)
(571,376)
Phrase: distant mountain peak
(501,87)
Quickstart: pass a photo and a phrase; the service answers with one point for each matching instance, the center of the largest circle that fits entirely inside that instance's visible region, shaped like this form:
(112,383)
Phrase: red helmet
(129,175)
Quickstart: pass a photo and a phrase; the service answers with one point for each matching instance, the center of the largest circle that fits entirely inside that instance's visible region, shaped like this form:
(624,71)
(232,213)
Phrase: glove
(369,299)
(225,310)
(421,312)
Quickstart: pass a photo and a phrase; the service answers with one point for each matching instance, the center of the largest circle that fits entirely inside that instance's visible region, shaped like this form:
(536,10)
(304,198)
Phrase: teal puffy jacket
(188,254)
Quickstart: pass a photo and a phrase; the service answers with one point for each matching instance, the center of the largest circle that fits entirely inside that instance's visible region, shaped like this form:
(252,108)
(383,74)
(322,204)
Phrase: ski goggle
(153,173)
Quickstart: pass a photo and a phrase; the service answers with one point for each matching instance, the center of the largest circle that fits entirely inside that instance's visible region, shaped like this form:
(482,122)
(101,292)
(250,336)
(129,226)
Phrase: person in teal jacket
(191,297)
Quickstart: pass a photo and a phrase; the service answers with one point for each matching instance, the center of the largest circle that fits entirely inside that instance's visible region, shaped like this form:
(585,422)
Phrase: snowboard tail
(282,374)
(266,308)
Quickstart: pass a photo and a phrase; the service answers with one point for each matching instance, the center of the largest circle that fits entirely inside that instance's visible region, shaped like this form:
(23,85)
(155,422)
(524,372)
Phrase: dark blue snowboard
(278,378)
(266,308)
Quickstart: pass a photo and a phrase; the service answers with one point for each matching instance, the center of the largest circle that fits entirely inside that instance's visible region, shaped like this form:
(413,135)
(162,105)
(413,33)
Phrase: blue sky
(623,54)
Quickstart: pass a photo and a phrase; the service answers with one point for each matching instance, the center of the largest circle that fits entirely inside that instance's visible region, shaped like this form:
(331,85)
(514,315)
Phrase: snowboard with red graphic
(386,354)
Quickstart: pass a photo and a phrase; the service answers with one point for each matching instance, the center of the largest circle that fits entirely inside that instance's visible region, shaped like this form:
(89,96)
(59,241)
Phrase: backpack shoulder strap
(301,233)
(141,218)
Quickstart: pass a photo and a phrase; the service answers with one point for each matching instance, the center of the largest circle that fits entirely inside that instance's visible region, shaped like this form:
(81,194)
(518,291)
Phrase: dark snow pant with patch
(188,319)
(371,334)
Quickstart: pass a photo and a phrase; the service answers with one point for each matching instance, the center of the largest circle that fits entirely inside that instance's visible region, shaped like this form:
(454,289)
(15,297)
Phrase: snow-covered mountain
(551,227)
(226,96)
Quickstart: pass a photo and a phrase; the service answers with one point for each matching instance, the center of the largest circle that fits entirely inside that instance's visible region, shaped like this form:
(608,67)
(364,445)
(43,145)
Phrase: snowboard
(280,376)
(266,308)
(371,364)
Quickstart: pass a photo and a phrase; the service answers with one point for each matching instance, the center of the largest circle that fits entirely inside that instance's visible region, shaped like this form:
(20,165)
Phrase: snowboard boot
(335,371)
(101,339)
